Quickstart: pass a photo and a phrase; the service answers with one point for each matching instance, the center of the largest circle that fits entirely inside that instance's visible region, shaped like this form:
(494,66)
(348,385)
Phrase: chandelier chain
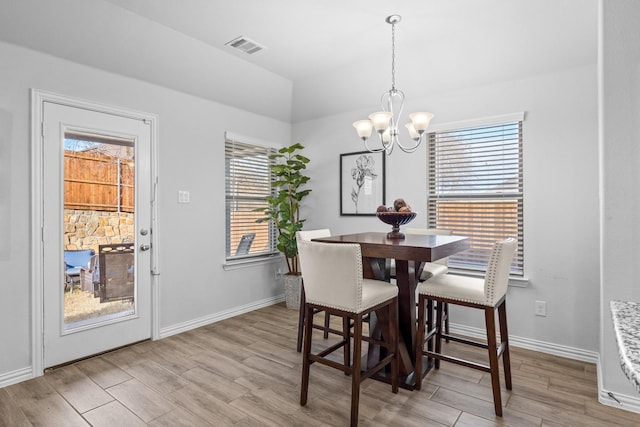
(393,57)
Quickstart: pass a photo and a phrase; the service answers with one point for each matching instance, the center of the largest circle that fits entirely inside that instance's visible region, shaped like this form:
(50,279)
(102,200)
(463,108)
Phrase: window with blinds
(475,189)
(247,183)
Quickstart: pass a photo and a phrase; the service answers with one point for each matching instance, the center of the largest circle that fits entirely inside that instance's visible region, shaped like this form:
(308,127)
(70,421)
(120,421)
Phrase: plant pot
(292,289)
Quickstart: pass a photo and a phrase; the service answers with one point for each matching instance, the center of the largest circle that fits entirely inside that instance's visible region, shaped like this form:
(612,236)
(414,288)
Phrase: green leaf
(284,205)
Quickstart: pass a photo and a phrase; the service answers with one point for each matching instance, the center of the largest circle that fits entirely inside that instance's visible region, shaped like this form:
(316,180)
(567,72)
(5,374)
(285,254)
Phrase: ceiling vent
(245,45)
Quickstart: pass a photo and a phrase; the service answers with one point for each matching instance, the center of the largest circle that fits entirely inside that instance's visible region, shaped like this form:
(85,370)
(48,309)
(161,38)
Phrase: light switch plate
(541,308)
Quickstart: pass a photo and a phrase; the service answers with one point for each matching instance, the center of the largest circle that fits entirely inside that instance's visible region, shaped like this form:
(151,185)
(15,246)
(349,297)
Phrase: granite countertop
(626,322)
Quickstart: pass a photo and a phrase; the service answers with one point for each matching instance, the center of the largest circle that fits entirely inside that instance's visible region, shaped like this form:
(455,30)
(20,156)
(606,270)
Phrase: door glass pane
(99,229)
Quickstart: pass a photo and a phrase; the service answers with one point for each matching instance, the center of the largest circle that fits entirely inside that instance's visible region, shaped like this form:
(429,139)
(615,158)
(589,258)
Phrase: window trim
(479,122)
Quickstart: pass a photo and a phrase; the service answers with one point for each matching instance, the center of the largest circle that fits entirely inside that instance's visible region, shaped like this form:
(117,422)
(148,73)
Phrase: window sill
(239,263)
(517,281)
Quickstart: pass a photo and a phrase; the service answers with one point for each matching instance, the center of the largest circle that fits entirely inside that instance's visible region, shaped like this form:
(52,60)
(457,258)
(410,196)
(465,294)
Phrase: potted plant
(284,211)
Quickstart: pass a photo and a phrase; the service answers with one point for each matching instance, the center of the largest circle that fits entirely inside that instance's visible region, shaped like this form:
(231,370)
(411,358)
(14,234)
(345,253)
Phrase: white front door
(90,204)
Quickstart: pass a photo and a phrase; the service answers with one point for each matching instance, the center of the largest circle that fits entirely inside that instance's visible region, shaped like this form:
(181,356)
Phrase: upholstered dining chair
(334,283)
(308,235)
(486,294)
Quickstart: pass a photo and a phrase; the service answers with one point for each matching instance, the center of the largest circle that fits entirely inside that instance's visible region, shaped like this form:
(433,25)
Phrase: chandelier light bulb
(420,121)
(412,132)
(364,128)
(386,136)
(380,120)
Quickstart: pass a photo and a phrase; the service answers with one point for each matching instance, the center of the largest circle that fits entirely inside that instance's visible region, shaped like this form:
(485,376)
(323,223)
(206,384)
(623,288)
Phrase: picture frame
(362,183)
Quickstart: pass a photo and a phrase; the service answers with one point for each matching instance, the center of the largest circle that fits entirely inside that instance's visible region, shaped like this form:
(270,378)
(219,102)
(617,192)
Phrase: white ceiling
(324,56)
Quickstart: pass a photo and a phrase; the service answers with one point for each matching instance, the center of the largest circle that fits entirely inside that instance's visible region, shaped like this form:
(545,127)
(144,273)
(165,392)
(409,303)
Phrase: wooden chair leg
(446,320)
(355,374)
(346,331)
(301,319)
(327,321)
(504,337)
(430,308)
(420,337)
(492,348)
(393,341)
(304,387)
(438,326)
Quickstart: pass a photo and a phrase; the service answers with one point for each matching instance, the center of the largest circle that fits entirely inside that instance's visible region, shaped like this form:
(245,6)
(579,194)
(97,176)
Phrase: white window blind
(475,184)
(248,182)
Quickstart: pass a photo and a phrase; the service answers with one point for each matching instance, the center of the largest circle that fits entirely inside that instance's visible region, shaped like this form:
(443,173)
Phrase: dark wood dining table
(409,254)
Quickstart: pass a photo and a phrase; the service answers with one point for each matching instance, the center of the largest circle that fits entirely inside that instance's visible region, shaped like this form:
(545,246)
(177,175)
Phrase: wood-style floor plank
(245,372)
(113,414)
(141,399)
(43,405)
(77,389)
(10,413)
(102,372)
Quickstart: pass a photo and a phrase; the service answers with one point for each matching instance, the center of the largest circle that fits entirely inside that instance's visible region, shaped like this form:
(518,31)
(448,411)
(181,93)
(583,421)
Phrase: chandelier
(385,122)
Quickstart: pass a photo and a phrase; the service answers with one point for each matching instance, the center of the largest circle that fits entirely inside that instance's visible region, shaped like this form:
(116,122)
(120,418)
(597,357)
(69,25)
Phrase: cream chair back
(332,274)
(431,231)
(497,277)
(312,234)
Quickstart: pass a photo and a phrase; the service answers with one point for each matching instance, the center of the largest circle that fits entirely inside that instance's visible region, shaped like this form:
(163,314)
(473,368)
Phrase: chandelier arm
(409,149)
(389,145)
(374,150)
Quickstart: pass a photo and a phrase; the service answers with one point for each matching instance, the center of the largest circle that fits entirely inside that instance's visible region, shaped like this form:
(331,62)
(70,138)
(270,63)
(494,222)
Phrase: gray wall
(619,84)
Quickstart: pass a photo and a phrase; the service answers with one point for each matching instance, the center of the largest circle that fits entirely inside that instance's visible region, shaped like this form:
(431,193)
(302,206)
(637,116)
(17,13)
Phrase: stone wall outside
(85,229)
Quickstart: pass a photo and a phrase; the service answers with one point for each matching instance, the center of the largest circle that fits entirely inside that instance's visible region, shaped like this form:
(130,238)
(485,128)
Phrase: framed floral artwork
(362,183)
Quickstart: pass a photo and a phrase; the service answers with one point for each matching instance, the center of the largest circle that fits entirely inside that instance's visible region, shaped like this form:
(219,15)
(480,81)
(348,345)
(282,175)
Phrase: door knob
(145,247)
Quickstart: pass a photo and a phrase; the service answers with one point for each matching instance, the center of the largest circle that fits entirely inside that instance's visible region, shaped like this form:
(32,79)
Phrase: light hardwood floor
(245,371)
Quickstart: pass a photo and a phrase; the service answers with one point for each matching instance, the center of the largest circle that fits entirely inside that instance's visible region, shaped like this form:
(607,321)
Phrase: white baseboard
(529,344)
(620,401)
(616,400)
(14,377)
(216,317)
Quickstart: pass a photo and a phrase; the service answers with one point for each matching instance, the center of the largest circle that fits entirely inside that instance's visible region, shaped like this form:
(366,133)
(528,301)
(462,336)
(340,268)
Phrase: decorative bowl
(396,219)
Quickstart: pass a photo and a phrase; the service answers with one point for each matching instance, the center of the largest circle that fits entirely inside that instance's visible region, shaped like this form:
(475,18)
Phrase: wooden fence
(98,182)
(485,222)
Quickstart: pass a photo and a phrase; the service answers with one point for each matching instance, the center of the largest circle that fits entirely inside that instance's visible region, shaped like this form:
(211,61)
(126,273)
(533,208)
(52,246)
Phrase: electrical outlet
(541,308)
(184,196)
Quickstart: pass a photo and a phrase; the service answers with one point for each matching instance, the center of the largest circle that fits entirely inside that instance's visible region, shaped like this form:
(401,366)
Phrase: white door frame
(38,97)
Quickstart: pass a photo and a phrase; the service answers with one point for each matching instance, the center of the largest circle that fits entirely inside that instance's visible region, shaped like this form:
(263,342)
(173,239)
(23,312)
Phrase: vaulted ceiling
(320,57)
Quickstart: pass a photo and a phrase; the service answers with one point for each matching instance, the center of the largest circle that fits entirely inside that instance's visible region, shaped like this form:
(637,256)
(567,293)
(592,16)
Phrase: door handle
(145,247)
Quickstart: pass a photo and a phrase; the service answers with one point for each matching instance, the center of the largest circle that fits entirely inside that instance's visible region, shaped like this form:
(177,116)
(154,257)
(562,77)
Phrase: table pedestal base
(407,382)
